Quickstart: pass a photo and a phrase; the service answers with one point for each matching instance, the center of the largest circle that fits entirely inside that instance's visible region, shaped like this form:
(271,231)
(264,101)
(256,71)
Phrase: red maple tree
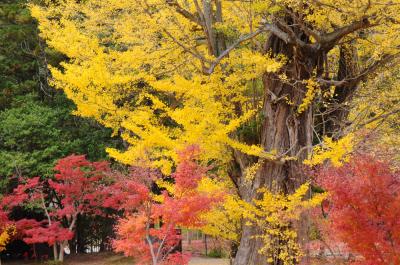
(364,208)
(149,232)
(72,192)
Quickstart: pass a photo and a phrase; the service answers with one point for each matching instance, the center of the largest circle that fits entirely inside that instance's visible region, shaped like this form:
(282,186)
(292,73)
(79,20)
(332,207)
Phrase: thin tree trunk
(55,252)
(34,252)
(205,244)
(61,254)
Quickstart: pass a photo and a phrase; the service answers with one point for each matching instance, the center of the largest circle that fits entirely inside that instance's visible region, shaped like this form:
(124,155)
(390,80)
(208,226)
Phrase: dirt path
(208,261)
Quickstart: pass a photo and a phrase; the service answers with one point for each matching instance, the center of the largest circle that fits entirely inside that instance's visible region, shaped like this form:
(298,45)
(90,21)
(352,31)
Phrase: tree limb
(292,36)
(265,28)
(310,32)
(187,49)
(330,39)
(225,53)
(363,75)
(379,117)
(180,10)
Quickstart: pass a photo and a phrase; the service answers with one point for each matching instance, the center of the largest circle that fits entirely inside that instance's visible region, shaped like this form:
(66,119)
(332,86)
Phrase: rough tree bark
(283,130)
(289,132)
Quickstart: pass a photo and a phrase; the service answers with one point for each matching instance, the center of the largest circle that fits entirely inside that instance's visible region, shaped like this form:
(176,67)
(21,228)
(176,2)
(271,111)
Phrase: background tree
(363,208)
(269,76)
(71,193)
(36,125)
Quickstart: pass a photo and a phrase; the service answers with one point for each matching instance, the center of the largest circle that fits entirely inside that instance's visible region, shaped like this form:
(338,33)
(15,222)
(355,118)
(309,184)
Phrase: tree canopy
(153,70)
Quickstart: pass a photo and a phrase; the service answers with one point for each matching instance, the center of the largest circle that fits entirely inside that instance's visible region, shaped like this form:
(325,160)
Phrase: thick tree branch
(276,31)
(292,36)
(180,10)
(363,75)
(208,26)
(328,40)
(307,30)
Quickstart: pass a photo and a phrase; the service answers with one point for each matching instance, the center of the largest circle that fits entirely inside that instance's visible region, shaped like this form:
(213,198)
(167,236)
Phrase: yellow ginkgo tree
(253,82)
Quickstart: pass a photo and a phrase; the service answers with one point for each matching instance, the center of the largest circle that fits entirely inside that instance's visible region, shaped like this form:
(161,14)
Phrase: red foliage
(188,173)
(128,192)
(42,232)
(132,238)
(187,203)
(4,221)
(21,194)
(364,208)
(75,185)
(149,233)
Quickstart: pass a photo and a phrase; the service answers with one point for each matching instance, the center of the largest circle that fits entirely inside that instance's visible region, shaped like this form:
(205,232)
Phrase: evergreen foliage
(36,124)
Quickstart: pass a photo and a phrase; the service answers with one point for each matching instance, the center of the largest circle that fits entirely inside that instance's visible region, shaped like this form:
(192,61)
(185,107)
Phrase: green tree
(36,124)
(18,49)
(34,134)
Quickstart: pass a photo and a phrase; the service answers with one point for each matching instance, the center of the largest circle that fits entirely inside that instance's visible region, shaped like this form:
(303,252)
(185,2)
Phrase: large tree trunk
(285,131)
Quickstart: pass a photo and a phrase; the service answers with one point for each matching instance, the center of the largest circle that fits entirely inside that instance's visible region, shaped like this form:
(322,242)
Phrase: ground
(208,261)
(112,259)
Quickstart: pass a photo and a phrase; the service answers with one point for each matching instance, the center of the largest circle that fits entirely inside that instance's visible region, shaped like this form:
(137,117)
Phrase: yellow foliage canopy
(128,69)
(148,69)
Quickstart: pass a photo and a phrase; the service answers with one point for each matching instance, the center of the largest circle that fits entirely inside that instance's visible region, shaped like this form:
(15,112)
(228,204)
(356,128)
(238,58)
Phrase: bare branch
(190,50)
(334,7)
(187,49)
(199,11)
(379,117)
